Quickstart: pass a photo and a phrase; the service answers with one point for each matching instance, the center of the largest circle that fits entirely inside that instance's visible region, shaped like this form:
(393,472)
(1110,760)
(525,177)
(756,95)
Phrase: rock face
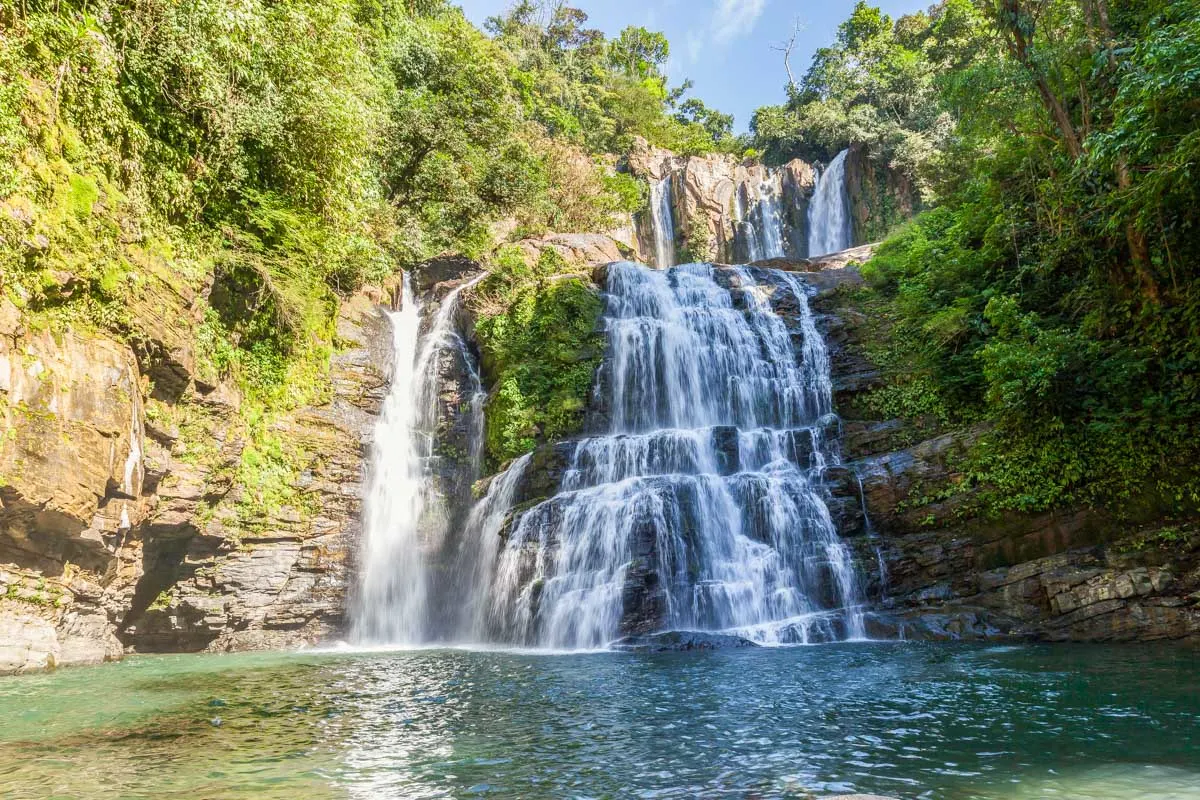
(720,205)
(212,583)
(937,569)
(678,641)
(718,201)
(577,249)
(880,198)
(125,523)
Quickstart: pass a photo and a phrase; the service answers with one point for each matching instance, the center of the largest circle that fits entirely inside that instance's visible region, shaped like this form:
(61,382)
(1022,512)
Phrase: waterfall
(400,529)
(830,224)
(763,225)
(479,549)
(702,507)
(663,222)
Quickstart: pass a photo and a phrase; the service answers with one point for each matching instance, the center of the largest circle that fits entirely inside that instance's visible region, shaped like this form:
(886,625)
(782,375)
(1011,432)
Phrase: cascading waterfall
(402,526)
(702,508)
(663,222)
(478,551)
(830,224)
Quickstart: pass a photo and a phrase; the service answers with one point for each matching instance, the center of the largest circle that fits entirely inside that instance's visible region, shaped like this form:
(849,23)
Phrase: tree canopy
(1052,292)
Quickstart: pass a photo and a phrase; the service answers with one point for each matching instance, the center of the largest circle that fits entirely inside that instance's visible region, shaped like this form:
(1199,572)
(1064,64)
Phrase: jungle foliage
(270,157)
(541,342)
(1052,294)
(602,93)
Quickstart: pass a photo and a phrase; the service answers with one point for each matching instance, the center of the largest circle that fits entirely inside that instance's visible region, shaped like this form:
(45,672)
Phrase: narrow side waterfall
(762,226)
(403,525)
(830,224)
(702,508)
(662,218)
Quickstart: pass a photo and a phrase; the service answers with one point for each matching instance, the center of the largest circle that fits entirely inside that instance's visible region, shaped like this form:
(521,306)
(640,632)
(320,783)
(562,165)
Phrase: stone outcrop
(217,581)
(880,197)
(71,470)
(715,200)
(831,266)
(576,249)
(680,641)
(126,522)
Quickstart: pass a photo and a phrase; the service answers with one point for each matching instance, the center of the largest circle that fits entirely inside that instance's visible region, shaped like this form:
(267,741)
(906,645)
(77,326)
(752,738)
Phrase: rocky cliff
(720,204)
(717,202)
(938,567)
(880,197)
(128,517)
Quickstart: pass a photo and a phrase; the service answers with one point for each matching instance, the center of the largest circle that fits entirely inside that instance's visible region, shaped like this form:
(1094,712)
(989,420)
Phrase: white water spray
(763,224)
(702,508)
(398,536)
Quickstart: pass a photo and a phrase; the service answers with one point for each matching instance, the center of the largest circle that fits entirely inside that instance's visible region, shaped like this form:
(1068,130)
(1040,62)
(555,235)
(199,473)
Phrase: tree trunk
(1009,18)
(1139,248)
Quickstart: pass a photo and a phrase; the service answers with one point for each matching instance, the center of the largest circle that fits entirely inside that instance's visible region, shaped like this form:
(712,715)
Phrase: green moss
(696,248)
(541,353)
(269,474)
(162,602)
(1172,538)
(82,195)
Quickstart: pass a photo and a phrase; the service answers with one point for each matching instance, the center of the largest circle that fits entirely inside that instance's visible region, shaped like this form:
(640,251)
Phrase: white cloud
(730,20)
(733,19)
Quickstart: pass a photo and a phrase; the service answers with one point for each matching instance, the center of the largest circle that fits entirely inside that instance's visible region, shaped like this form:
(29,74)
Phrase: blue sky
(724,46)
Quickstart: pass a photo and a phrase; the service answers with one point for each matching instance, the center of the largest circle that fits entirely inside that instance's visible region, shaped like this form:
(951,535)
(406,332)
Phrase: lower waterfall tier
(703,507)
(625,548)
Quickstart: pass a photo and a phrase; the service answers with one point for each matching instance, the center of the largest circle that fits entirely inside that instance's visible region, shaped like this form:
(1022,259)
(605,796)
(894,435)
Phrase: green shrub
(541,354)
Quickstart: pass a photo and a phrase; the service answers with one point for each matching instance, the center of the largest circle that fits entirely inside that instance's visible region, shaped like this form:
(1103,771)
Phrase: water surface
(910,720)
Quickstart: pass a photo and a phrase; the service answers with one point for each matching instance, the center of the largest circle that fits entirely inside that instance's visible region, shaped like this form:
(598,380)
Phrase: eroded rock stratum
(940,567)
(127,518)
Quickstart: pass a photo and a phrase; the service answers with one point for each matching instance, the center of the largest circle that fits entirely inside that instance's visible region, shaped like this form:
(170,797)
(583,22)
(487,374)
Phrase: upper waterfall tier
(830,220)
(684,356)
(702,507)
(721,209)
(718,208)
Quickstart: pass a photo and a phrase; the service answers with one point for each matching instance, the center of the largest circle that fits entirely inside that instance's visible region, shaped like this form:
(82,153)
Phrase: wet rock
(961,624)
(725,443)
(674,641)
(544,474)
(443,269)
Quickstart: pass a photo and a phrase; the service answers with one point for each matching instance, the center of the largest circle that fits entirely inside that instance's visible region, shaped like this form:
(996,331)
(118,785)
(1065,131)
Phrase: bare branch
(786,48)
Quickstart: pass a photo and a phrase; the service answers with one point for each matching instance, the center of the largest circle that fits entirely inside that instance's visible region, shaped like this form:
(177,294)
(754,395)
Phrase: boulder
(579,250)
(71,464)
(676,641)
